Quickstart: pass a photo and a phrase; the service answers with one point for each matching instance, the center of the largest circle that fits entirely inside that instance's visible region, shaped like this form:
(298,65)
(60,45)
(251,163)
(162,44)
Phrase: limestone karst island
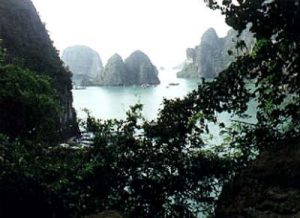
(87,68)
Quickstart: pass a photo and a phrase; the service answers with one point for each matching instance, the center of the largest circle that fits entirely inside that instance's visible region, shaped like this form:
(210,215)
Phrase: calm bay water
(113,102)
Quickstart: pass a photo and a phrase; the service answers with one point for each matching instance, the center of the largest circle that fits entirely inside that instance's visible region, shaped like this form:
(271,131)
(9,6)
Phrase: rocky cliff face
(136,70)
(269,188)
(25,37)
(141,70)
(211,56)
(84,63)
(114,73)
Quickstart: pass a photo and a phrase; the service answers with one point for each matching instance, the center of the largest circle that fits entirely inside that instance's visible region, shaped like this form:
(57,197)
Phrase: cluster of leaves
(132,168)
(41,181)
(29,106)
(157,168)
(272,66)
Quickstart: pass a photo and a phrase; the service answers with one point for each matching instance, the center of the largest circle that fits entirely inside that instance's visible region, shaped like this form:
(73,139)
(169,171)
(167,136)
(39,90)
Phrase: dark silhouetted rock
(25,38)
(270,187)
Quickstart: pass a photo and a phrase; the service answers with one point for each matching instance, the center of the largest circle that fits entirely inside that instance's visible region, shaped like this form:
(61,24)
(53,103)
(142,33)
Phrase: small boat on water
(174,84)
(145,86)
(79,87)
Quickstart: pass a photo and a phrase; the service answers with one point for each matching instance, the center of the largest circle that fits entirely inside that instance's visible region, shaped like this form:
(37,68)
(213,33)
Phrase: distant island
(85,64)
(209,58)
(87,68)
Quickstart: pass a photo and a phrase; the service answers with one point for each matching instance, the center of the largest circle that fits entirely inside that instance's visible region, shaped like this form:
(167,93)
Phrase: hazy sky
(163,29)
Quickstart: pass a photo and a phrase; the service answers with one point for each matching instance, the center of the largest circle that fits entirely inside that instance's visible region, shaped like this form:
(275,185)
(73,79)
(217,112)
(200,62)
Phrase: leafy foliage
(41,181)
(29,106)
(273,66)
(152,171)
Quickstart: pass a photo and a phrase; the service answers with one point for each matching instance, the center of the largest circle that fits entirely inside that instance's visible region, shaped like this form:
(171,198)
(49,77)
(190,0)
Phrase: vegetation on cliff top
(25,38)
(29,104)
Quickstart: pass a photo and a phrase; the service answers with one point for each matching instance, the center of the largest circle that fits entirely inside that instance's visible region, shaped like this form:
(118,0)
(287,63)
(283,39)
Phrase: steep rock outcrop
(25,38)
(136,70)
(211,56)
(114,73)
(84,63)
(141,70)
(269,188)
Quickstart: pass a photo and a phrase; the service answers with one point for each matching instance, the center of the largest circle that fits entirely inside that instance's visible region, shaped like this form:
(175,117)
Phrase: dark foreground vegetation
(159,168)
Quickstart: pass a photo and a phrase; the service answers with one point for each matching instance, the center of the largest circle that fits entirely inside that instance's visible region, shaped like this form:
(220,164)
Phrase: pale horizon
(161,29)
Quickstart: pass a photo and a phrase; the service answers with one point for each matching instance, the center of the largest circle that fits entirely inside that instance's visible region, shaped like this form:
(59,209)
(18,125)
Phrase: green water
(113,102)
